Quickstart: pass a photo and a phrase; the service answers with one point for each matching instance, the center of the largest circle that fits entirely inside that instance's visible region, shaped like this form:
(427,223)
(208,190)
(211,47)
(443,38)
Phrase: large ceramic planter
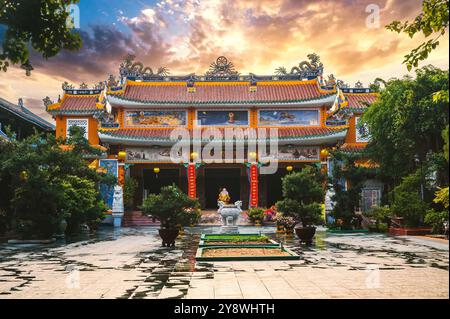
(306,234)
(168,236)
(280,229)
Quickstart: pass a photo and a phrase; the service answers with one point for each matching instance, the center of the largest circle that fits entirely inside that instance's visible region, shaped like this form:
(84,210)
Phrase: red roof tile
(223,93)
(352,147)
(78,104)
(360,101)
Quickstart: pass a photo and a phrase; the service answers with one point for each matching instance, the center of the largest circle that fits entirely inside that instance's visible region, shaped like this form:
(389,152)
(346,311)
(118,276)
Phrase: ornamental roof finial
(222,68)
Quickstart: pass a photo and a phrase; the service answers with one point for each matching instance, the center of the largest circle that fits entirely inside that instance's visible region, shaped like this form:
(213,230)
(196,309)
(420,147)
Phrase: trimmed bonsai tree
(173,208)
(256,215)
(302,197)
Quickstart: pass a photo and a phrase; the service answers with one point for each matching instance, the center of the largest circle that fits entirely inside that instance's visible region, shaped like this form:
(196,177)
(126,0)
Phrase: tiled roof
(353,147)
(223,92)
(164,134)
(81,104)
(360,101)
(25,114)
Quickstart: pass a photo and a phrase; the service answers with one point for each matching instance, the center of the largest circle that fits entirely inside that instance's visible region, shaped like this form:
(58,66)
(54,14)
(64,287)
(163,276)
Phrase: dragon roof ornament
(132,68)
(305,69)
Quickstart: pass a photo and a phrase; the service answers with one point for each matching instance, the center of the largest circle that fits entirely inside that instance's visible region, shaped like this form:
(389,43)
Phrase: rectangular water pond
(235,239)
(245,252)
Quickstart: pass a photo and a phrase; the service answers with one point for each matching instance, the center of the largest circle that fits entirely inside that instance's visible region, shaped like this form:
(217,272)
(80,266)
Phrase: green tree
(129,190)
(80,203)
(171,207)
(405,122)
(407,202)
(303,196)
(347,181)
(432,21)
(39,24)
(43,188)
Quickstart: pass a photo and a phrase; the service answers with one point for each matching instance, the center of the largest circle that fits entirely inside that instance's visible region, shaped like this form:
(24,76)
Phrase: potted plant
(287,223)
(302,197)
(279,222)
(256,215)
(171,207)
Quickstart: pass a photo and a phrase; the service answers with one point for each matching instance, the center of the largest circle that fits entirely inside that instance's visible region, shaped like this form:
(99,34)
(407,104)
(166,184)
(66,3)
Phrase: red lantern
(192,185)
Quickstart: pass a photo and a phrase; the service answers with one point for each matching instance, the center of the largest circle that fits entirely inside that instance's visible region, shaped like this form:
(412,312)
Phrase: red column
(254,185)
(192,181)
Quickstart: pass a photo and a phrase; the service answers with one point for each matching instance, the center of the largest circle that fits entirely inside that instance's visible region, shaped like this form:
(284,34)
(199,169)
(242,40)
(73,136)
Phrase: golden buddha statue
(224,196)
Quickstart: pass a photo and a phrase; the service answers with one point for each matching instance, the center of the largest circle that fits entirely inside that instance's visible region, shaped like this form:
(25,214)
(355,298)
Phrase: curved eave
(75,112)
(328,139)
(327,100)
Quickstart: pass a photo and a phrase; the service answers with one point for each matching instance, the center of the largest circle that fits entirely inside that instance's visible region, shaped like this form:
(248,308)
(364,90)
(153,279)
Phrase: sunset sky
(257,36)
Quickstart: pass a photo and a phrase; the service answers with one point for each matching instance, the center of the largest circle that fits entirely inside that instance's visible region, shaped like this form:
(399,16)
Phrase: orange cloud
(257,36)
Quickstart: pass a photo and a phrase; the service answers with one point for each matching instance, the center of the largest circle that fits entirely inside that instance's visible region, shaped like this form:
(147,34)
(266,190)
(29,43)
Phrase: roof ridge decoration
(137,69)
(83,88)
(222,68)
(305,69)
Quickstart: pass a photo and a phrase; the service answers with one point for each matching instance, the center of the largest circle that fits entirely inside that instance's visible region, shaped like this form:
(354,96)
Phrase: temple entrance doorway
(154,182)
(274,187)
(218,178)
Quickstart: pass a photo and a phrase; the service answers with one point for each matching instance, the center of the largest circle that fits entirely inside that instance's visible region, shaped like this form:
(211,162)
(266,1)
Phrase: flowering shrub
(287,222)
(269,214)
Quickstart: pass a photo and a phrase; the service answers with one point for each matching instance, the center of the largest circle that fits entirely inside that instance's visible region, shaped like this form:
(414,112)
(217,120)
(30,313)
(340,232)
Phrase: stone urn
(62,228)
(230,215)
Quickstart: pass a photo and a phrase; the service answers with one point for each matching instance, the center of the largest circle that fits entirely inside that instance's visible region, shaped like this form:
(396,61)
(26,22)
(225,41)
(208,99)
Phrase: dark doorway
(274,187)
(154,182)
(216,179)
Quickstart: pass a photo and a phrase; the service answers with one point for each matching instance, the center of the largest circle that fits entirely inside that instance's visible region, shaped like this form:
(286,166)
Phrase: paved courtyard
(130,263)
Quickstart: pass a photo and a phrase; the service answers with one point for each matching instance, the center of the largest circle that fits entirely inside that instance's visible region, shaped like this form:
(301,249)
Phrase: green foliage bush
(347,199)
(381,216)
(302,196)
(43,184)
(129,190)
(170,207)
(256,214)
(407,202)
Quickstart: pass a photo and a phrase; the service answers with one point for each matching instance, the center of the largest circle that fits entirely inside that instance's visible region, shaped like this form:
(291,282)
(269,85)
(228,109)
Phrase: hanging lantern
(156,170)
(23,175)
(122,155)
(252,155)
(324,153)
(289,168)
(194,156)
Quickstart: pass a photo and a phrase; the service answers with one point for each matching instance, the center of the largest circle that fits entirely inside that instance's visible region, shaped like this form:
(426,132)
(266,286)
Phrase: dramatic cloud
(257,36)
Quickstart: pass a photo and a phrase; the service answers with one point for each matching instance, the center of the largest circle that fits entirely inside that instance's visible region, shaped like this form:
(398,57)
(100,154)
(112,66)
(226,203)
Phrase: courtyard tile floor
(129,263)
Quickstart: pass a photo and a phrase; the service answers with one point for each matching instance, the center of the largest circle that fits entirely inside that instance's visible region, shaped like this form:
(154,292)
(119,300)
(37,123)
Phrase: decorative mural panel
(223,118)
(82,123)
(296,153)
(107,191)
(150,118)
(289,117)
(150,154)
(362,132)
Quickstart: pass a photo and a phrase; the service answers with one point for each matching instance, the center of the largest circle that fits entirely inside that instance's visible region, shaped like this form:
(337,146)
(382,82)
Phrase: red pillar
(254,185)
(192,181)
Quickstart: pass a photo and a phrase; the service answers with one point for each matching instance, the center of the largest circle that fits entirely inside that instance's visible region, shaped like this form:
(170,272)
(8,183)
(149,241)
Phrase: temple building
(134,116)
(21,121)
